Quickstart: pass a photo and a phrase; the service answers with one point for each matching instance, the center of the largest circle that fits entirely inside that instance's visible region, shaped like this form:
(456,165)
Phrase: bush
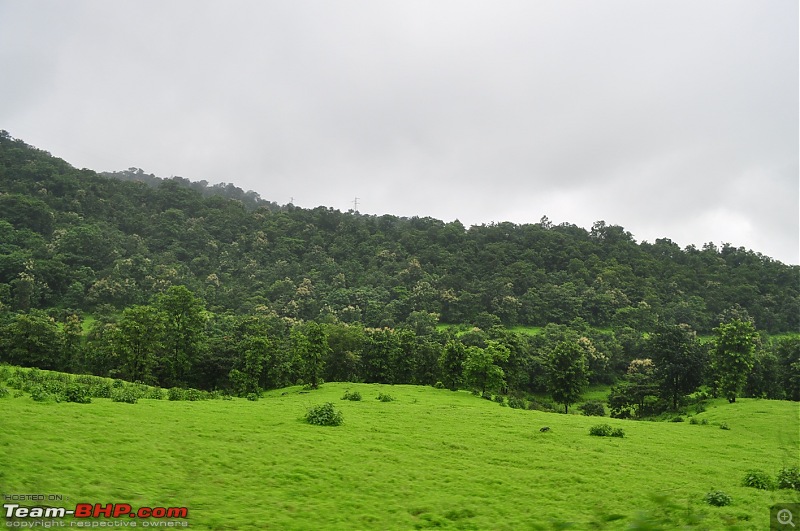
(193,395)
(601,430)
(486,395)
(618,432)
(324,415)
(154,393)
(718,498)
(252,397)
(124,394)
(677,419)
(500,399)
(38,393)
(704,422)
(593,408)
(789,478)
(175,393)
(4,392)
(694,420)
(77,393)
(517,403)
(438,385)
(385,398)
(355,396)
(101,390)
(758,479)
(724,426)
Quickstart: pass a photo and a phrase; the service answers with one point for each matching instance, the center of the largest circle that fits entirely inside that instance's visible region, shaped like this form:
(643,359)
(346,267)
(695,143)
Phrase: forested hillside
(75,239)
(178,283)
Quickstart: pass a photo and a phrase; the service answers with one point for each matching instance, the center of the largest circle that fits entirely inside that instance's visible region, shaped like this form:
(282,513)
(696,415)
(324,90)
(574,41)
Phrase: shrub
(385,398)
(124,394)
(618,432)
(694,420)
(500,399)
(193,395)
(724,426)
(438,385)
(517,403)
(101,390)
(486,395)
(789,478)
(677,419)
(355,396)
(758,479)
(4,392)
(38,393)
(601,430)
(175,393)
(718,498)
(699,407)
(324,415)
(77,393)
(593,408)
(252,397)
(154,393)
(704,422)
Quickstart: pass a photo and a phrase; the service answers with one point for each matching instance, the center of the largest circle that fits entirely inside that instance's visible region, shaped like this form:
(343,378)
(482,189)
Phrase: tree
(451,363)
(679,361)
(184,331)
(318,350)
(733,356)
(567,373)
(481,368)
(140,340)
(32,340)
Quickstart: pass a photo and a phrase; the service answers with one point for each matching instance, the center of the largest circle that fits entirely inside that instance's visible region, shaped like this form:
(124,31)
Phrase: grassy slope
(431,458)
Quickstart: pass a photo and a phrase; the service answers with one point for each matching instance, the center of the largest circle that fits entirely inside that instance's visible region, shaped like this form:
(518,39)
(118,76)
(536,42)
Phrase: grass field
(430,459)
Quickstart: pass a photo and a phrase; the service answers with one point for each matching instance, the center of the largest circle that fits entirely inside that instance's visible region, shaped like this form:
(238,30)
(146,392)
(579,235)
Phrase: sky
(674,119)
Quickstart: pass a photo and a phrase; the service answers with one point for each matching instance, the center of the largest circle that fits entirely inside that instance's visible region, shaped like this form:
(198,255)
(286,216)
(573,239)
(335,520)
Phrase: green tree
(733,356)
(317,353)
(32,340)
(140,341)
(451,363)
(482,368)
(185,336)
(679,361)
(567,373)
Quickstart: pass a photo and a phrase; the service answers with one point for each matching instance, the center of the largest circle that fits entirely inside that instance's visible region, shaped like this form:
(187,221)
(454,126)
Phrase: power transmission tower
(355,204)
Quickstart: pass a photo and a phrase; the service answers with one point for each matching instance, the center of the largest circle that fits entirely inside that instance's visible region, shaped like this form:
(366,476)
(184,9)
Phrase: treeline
(176,341)
(73,239)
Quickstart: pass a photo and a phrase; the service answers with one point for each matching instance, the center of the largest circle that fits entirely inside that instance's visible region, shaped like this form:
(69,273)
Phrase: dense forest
(187,283)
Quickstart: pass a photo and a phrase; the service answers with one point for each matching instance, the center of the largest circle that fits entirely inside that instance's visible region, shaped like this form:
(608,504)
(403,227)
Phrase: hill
(75,239)
(429,459)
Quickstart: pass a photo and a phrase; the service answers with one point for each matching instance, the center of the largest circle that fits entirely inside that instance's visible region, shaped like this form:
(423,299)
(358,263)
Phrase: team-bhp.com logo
(96,510)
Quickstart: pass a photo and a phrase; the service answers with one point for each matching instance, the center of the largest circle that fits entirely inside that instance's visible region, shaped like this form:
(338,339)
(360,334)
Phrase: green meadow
(430,459)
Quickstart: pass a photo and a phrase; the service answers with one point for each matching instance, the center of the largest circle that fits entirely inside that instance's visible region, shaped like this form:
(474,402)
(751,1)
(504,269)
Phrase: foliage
(718,498)
(723,426)
(758,479)
(124,394)
(732,357)
(324,415)
(788,478)
(354,396)
(385,397)
(78,393)
(567,373)
(593,408)
(678,361)
(605,430)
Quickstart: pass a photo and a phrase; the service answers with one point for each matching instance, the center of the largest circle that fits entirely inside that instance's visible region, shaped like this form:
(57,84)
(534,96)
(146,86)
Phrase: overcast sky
(674,119)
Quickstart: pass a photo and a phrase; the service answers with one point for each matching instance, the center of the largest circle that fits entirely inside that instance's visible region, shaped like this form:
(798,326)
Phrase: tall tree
(184,331)
(482,367)
(567,373)
(140,340)
(451,363)
(679,361)
(733,356)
